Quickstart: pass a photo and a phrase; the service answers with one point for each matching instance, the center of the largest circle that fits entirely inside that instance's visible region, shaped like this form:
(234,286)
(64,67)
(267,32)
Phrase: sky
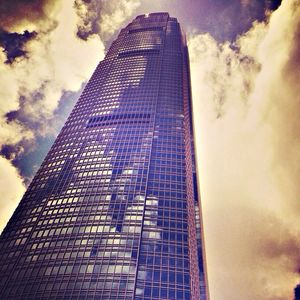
(245,70)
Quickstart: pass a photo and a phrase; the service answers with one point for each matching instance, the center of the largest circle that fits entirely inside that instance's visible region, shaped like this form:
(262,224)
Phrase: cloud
(103,17)
(224,20)
(15,15)
(13,44)
(227,73)
(57,63)
(246,103)
(11,190)
(282,92)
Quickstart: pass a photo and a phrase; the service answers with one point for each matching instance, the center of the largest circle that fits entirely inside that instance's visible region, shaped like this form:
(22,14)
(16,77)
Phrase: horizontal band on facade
(140,52)
(118,119)
(146,29)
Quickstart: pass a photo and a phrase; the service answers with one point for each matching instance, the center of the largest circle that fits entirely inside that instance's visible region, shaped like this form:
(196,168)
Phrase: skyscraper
(113,212)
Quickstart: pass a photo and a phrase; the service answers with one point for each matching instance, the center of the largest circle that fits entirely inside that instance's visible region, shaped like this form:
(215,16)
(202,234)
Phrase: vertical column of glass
(129,149)
(198,272)
(163,269)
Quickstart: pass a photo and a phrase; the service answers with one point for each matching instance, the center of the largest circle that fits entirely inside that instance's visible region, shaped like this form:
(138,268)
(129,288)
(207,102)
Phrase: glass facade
(113,212)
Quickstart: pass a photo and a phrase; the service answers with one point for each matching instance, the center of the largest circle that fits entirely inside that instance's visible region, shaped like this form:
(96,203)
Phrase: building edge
(196,167)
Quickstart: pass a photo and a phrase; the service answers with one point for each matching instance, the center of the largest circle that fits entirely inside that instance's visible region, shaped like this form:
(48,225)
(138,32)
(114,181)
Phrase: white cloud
(103,17)
(58,62)
(115,13)
(246,103)
(11,190)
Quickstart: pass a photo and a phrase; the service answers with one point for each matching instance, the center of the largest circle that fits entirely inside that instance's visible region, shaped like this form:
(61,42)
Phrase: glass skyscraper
(113,212)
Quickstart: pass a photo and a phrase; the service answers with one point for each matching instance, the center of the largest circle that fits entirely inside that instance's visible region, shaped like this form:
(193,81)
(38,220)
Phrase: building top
(153,14)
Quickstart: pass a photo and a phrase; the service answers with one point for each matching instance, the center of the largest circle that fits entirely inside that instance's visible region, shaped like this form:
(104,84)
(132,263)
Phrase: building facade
(113,212)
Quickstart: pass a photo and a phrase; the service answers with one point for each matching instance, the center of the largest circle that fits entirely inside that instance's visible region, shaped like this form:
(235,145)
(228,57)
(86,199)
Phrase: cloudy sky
(245,64)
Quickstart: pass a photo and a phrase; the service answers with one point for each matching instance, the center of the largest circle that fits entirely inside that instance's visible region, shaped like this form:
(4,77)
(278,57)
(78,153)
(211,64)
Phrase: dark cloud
(225,20)
(297,292)
(13,12)
(88,12)
(273,4)
(13,43)
(291,70)
(29,161)
(8,151)
(12,115)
